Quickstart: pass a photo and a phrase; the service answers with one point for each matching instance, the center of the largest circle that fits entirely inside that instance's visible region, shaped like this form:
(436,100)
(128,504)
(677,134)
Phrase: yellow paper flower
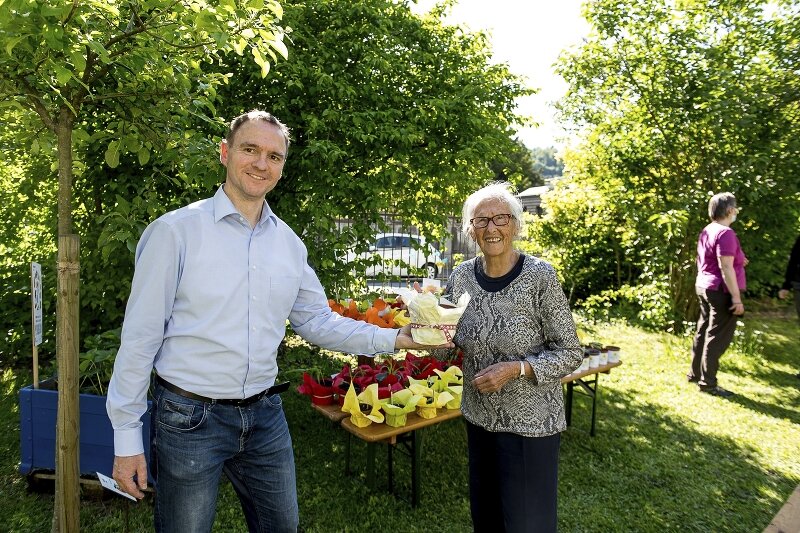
(432,399)
(352,405)
(450,381)
(456,391)
(446,378)
(400,404)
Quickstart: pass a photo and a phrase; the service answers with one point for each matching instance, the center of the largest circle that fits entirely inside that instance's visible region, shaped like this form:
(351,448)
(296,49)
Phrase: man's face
(254,161)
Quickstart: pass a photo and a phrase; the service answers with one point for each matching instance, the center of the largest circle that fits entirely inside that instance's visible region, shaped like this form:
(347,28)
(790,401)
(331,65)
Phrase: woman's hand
(494,377)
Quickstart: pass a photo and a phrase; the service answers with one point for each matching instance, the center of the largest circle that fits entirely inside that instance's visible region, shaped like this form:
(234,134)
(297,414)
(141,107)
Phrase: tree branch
(38,105)
(75,4)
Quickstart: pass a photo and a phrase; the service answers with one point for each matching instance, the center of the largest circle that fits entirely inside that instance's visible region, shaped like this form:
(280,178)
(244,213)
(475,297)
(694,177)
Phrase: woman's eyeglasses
(499,220)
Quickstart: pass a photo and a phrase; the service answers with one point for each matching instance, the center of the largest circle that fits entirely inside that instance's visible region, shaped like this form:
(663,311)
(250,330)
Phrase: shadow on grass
(646,470)
(649,471)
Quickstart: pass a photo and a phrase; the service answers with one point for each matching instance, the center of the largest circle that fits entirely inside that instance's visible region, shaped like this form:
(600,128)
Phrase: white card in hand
(111,485)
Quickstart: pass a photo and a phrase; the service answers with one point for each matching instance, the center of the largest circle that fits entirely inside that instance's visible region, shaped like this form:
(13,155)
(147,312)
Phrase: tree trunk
(64,136)
(66,517)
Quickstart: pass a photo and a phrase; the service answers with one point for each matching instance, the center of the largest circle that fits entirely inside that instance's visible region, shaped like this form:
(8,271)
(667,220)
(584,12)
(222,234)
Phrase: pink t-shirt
(716,241)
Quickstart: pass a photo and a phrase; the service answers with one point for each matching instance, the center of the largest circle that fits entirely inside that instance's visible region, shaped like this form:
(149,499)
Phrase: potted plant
(364,408)
(318,386)
(399,405)
(39,407)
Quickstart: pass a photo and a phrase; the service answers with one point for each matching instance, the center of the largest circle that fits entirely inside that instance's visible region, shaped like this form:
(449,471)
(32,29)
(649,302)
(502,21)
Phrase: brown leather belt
(275,389)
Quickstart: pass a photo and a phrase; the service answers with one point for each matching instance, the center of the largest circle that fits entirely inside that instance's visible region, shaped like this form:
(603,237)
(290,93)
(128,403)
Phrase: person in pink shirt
(719,286)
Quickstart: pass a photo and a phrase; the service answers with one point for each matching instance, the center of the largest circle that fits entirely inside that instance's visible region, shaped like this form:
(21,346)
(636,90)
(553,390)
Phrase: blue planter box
(38,413)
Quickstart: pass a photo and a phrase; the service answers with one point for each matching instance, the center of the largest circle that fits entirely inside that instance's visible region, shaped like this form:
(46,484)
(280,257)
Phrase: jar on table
(613,354)
(594,358)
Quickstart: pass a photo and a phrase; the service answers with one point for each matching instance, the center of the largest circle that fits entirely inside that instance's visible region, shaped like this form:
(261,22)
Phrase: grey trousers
(715,329)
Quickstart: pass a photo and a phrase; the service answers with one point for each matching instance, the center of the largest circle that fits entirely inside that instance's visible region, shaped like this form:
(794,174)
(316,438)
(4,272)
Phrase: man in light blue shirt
(213,287)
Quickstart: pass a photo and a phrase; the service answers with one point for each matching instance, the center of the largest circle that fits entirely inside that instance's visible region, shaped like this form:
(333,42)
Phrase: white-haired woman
(719,285)
(519,340)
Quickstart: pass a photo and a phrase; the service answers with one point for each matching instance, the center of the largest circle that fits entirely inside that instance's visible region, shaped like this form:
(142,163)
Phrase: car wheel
(431,270)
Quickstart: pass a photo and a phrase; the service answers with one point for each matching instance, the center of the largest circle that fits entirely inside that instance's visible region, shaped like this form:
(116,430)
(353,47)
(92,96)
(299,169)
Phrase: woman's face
(494,241)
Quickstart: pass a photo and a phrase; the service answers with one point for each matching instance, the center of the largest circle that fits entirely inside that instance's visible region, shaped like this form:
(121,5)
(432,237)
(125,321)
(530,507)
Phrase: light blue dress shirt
(208,308)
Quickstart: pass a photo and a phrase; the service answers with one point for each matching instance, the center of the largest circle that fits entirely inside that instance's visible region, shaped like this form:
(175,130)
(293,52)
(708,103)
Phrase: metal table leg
(570,387)
(415,457)
(347,455)
(594,402)
(390,466)
(371,446)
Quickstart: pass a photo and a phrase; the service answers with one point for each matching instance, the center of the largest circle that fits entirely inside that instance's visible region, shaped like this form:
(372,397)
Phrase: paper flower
(456,391)
(368,398)
(450,380)
(421,367)
(399,405)
(432,399)
(321,391)
(452,376)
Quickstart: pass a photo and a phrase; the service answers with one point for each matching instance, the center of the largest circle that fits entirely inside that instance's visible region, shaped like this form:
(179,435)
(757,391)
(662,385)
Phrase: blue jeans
(193,442)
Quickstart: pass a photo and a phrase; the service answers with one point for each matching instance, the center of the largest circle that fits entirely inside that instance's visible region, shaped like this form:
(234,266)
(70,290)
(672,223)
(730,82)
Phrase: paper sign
(111,485)
(36,301)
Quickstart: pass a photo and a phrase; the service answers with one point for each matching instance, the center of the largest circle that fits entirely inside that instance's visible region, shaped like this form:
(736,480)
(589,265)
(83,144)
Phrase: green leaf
(62,75)
(279,47)
(13,42)
(259,59)
(239,46)
(79,60)
(144,155)
(112,154)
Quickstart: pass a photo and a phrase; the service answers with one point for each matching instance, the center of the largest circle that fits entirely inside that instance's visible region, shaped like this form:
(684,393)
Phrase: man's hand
(494,377)
(125,469)
(783,294)
(405,341)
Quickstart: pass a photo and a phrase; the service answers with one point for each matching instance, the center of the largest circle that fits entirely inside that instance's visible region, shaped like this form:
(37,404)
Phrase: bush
(647,306)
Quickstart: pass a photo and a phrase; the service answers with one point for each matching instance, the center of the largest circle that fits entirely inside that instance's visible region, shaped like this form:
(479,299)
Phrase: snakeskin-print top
(529,319)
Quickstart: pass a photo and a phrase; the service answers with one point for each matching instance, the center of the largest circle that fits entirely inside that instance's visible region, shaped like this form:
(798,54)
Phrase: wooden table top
(332,412)
(385,432)
(600,369)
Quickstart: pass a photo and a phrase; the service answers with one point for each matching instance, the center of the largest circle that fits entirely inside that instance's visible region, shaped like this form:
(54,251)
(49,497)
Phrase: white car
(399,250)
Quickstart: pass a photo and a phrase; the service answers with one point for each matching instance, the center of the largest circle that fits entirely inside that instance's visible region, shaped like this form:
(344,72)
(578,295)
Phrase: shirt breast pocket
(283,292)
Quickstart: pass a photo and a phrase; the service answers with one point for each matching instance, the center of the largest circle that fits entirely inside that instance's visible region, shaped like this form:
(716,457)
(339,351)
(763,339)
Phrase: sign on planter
(36,302)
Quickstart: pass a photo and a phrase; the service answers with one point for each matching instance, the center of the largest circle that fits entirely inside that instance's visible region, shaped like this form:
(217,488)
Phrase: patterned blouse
(529,319)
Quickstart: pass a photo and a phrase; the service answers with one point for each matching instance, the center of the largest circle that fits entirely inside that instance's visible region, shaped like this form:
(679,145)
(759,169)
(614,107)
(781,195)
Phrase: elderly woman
(519,340)
(719,286)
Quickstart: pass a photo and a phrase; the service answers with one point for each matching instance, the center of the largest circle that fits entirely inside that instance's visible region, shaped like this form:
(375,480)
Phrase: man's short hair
(256,114)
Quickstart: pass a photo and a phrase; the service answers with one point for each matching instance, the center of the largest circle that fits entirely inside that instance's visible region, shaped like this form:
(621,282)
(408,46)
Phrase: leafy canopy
(676,101)
(391,113)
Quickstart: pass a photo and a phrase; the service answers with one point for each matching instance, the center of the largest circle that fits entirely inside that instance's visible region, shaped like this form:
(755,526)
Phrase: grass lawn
(665,457)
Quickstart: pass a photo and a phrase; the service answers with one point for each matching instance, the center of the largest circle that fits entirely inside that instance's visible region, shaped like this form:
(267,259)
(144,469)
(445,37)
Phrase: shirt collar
(224,207)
